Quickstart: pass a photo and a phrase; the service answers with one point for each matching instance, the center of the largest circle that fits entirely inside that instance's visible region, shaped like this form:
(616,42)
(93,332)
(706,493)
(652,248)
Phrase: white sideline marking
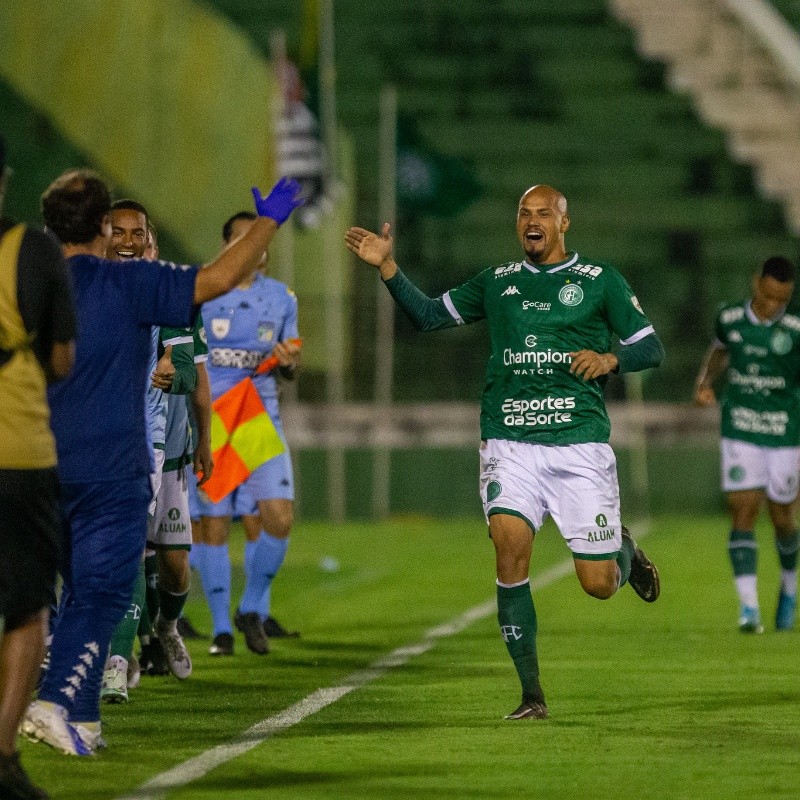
(157,787)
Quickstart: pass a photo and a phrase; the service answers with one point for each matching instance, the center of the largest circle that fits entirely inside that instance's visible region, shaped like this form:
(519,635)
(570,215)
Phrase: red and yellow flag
(243,437)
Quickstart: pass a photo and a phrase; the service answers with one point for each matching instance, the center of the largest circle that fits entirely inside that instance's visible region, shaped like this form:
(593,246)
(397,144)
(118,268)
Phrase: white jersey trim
(448,304)
(765,323)
(178,340)
(569,263)
(638,336)
(201,358)
(512,585)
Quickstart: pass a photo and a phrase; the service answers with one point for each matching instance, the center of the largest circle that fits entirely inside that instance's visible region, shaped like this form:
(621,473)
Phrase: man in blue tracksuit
(98,418)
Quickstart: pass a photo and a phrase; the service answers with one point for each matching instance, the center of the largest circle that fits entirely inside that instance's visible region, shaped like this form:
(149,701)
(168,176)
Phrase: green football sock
(787,550)
(743,552)
(624,558)
(171,604)
(517,617)
(125,633)
(151,574)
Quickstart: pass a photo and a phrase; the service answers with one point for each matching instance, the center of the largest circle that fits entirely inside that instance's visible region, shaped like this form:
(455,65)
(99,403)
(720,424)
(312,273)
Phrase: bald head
(547,194)
(542,221)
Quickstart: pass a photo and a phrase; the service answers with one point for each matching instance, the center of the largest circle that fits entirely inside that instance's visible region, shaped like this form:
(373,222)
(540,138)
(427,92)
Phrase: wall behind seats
(166,98)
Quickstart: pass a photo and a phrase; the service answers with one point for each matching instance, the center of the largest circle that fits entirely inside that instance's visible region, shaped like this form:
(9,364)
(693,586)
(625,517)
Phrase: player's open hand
(369,247)
(287,353)
(165,371)
(589,365)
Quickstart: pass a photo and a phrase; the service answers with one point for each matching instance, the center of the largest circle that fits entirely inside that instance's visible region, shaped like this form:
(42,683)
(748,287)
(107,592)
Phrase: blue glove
(280,202)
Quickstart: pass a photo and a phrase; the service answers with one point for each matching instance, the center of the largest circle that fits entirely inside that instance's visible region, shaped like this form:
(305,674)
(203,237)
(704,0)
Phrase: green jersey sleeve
(466,303)
(624,314)
(200,340)
(182,341)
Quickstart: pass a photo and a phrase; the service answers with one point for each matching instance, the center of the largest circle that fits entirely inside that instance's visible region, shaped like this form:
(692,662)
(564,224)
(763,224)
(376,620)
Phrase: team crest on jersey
(571,294)
(781,343)
(636,304)
(266,331)
(220,327)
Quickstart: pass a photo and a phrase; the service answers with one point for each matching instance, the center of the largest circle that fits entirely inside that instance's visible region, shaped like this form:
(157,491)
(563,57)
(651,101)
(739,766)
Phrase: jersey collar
(766,323)
(555,268)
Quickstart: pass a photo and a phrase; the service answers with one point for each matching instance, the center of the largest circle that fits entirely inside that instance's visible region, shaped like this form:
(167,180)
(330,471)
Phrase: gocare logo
(538,411)
(536,305)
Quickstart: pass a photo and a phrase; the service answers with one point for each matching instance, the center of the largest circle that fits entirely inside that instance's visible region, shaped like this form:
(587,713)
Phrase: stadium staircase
(529,91)
(740,61)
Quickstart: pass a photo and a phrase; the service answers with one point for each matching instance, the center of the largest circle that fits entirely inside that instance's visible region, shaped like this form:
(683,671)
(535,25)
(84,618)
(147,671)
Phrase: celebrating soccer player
(758,344)
(544,426)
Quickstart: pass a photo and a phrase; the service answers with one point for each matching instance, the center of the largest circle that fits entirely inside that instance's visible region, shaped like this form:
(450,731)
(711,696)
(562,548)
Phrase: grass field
(661,701)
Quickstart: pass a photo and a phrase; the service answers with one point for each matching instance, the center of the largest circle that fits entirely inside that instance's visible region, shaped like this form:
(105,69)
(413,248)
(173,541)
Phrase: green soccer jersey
(537,316)
(760,401)
(188,348)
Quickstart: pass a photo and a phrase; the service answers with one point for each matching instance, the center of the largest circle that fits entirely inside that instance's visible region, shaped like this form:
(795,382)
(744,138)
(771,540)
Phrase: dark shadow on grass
(266,780)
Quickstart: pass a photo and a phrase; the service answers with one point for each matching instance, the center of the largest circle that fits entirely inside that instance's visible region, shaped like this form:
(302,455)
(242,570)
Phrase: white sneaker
(47,722)
(115,681)
(180,664)
(750,620)
(91,736)
(134,671)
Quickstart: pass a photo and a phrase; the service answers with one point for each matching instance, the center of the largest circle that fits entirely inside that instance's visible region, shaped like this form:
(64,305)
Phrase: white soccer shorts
(749,466)
(574,484)
(155,479)
(170,526)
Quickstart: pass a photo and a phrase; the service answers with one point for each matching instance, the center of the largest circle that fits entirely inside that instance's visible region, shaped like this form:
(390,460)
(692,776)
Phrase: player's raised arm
(373,249)
(236,262)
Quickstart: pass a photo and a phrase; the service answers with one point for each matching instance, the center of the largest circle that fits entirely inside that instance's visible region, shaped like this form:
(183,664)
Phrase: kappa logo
(511,290)
(509,632)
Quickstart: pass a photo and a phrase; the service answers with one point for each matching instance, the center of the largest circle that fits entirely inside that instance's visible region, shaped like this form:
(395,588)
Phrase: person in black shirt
(37,328)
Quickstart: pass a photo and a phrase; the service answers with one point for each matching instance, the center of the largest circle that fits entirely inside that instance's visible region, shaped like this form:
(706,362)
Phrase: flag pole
(332,259)
(384,327)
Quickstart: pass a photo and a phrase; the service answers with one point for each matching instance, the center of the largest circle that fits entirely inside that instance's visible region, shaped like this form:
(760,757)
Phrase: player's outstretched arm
(373,249)
(236,262)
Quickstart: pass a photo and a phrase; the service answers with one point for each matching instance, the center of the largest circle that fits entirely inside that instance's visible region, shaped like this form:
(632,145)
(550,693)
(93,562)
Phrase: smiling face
(770,297)
(128,234)
(542,221)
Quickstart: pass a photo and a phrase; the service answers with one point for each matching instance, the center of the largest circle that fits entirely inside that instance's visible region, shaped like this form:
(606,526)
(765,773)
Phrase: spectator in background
(37,326)
(99,423)
(300,152)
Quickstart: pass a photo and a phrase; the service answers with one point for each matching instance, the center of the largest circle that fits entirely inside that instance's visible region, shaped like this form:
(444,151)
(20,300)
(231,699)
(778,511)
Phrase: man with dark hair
(256,320)
(544,425)
(230,224)
(758,344)
(98,418)
(37,326)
